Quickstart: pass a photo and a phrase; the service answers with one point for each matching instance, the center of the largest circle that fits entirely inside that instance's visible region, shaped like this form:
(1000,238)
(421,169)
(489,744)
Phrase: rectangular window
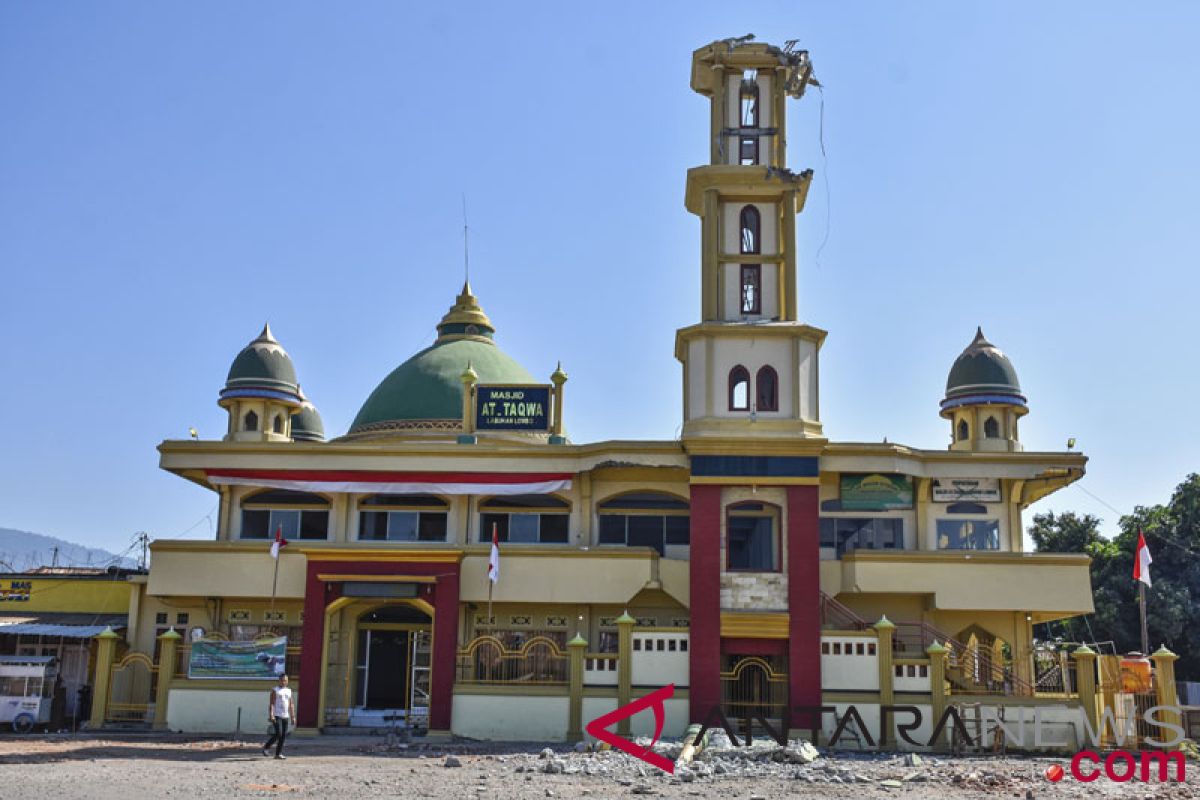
(751,543)
(529,528)
(871,533)
(402,526)
(644,530)
(263,523)
(751,289)
(748,151)
(968,534)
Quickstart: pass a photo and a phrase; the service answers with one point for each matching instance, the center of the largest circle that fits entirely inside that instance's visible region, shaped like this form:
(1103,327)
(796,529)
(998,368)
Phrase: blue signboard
(512,408)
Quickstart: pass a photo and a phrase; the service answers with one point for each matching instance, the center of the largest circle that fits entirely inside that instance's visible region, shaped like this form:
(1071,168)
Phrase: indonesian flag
(279,542)
(1142,562)
(494,558)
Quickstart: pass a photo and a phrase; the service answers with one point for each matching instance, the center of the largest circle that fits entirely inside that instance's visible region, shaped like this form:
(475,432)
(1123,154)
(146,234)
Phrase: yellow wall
(65,595)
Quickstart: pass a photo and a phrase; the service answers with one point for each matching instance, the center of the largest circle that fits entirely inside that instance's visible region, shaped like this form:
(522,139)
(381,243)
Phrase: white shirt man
(280,711)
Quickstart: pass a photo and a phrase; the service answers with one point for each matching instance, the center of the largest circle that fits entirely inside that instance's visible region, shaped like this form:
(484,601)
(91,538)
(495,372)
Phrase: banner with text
(512,408)
(265,659)
(876,492)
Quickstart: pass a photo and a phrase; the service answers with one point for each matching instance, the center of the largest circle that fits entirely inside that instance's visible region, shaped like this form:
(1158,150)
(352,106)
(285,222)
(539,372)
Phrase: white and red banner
(494,558)
(1142,561)
(303,480)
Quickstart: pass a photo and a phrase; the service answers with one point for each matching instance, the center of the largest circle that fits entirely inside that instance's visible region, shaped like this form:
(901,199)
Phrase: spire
(465,318)
(265,337)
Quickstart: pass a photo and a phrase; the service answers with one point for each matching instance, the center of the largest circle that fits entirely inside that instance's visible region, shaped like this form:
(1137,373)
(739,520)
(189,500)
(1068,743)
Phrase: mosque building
(751,562)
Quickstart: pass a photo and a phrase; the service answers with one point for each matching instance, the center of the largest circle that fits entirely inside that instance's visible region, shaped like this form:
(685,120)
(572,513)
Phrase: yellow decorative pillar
(558,378)
(1085,679)
(168,647)
(937,686)
(625,625)
(469,378)
(576,647)
(884,629)
(1165,691)
(106,650)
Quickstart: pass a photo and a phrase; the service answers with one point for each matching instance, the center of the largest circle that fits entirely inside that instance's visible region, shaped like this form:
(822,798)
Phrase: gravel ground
(33,768)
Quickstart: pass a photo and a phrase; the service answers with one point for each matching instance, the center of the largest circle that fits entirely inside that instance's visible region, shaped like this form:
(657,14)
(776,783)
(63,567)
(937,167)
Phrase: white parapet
(660,658)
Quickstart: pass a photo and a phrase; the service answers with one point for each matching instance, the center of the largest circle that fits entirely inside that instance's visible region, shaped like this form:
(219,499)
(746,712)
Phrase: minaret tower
(751,421)
(750,367)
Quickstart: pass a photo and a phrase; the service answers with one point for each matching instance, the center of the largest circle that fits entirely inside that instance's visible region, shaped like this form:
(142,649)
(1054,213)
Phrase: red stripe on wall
(804,597)
(359,476)
(705,574)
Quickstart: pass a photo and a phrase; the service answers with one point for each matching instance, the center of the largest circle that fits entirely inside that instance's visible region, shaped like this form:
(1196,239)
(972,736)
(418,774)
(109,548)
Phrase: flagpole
(274,583)
(1142,608)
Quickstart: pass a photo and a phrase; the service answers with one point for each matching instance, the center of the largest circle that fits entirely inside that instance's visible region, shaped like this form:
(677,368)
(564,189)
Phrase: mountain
(21,550)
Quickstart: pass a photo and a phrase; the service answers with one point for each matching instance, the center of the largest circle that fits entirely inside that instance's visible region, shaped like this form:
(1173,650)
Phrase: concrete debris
(451,761)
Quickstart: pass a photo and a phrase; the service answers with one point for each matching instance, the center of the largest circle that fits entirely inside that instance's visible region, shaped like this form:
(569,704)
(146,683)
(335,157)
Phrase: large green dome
(982,374)
(426,391)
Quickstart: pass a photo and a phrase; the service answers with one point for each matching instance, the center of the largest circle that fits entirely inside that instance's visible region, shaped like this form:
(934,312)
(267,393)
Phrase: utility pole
(54,557)
(144,539)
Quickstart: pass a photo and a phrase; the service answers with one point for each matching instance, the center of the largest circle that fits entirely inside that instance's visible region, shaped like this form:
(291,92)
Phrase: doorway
(382,669)
(392,663)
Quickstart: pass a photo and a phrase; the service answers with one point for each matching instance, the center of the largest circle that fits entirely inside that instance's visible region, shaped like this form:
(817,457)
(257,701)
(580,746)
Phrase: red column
(804,596)
(310,653)
(445,650)
(705,630)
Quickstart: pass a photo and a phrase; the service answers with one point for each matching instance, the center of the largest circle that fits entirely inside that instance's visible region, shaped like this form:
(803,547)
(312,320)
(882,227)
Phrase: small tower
(750,366)
(261,392)
(983,399)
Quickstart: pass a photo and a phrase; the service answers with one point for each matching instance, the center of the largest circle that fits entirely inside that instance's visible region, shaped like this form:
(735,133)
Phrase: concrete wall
(845,668)
(215,710)
(654,663)
(510,718)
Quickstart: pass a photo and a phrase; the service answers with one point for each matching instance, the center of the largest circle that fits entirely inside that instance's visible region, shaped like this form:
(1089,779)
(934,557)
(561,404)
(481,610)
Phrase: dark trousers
(279,731)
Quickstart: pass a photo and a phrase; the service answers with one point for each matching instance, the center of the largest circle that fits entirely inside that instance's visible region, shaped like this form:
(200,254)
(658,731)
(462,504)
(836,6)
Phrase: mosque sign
(974,490)
(512,407)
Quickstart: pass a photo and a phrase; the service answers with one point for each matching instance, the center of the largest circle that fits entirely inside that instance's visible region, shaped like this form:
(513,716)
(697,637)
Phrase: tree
(1172,533)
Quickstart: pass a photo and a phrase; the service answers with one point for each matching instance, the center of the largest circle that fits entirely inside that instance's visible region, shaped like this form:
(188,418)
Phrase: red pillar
(445,650)
(804,596)
(705,630)
(310,653)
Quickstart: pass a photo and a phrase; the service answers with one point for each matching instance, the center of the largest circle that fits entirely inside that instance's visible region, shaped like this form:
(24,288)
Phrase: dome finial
(465,318)
(266,335)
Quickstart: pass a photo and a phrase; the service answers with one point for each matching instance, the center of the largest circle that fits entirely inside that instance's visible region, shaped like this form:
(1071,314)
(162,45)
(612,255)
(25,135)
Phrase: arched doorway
(392,665)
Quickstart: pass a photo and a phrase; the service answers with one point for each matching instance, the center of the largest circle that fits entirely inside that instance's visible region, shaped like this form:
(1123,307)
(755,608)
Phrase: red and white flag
(494,559)
(279,542)
(1142,561)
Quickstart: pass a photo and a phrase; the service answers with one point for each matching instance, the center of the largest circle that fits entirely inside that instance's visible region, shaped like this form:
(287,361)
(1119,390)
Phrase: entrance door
(383,662)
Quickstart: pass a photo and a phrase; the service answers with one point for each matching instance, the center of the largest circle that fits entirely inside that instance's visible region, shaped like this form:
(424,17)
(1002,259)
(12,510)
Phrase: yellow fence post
(576,647)
(625,625)
(168,648)
(884,629)
(1165,690)
(106,650)
(1085,680)
(937,686)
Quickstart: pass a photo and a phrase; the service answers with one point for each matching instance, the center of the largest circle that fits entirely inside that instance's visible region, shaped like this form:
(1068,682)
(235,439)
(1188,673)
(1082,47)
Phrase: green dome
(426,391)
(262,369)
(307,425)
(982,374)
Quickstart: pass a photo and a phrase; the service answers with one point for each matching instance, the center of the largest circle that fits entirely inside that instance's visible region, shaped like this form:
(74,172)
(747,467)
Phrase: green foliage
(1173,535)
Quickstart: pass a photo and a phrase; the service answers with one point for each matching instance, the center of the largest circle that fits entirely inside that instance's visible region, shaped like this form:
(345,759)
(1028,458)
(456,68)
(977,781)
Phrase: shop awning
(67,626)
(489,483)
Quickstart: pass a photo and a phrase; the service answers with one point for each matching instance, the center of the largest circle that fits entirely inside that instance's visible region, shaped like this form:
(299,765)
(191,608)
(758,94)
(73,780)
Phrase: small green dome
(426,391)
(982,374)
(307,425)
(262,369)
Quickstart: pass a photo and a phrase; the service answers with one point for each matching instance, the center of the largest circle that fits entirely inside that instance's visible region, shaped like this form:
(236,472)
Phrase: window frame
(610,508)
(485,509)
(750,219)
(773,404)
(754,270)
(440,507)
(743,510)
(962,522)
(303,504)
(838,545)
(735,377)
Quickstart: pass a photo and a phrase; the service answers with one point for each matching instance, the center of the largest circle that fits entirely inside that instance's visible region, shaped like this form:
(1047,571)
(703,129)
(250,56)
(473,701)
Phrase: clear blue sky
(172,175)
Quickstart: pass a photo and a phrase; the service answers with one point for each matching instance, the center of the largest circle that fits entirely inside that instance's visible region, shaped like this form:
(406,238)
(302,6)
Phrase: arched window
(402,518)
(964,430)
(531,518)
(752,532)
(751,224)
(739,389)
(748,96)
(991,428)
(250,421)
(297,515)
(277,424)
(644,519)
(766,385)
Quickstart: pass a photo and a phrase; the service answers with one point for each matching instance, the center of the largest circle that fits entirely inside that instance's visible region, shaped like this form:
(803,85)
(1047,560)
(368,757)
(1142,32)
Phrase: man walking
(280,711)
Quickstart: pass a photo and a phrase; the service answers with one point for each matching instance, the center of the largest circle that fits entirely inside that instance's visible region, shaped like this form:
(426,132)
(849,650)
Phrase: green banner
(876,492)
(212,659)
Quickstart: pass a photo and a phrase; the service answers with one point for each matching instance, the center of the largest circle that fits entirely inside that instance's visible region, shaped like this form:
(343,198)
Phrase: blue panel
(755,466)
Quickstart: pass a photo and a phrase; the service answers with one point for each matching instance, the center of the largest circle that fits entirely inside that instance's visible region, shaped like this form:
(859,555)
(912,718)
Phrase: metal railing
(836,616)
(538,660)
(752,688)
(971,669)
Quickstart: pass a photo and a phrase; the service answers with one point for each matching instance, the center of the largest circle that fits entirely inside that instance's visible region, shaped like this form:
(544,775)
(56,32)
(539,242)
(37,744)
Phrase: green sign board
(876,492)
(264,659)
